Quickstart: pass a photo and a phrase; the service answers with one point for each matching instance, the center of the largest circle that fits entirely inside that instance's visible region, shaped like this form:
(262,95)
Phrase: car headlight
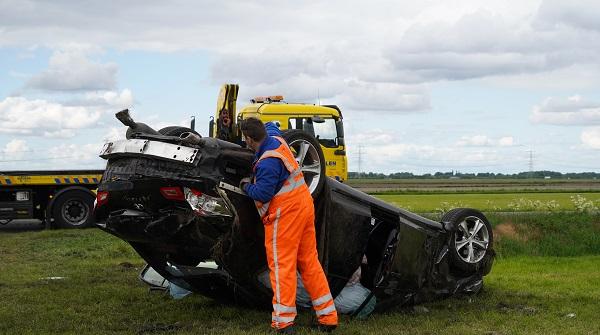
(204,204)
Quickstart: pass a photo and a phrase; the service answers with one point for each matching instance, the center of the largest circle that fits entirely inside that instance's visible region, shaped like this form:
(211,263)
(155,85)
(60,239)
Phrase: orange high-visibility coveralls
(291,245)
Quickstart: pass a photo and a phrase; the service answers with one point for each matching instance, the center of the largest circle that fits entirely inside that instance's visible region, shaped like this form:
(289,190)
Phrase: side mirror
(317,119)
(149,276)
(211,126)
(339,127)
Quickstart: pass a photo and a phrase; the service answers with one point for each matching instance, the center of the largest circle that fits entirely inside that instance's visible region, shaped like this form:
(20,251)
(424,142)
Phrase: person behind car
(287,212)
(350,300)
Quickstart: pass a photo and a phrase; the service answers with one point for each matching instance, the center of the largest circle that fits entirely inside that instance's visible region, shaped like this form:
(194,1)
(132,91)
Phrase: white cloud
(590,137)
(386,151)
(482,44)
(38,117)
(15,149)
(109,98)
(484,141)
(389,97)
(15,145)
(115,134)
(574,77)
(475,141)
(351,94)
(59,133)
(570,111)
(506,141)
(324,48)
(313,45)
(386,61)
(76,156)
(72,70)
(579,14)
(20,115)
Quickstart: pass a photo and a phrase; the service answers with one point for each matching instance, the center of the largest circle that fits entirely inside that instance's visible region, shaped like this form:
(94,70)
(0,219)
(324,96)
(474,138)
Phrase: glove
(243,183)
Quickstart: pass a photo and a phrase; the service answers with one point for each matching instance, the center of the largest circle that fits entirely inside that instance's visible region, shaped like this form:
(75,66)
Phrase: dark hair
(254,128)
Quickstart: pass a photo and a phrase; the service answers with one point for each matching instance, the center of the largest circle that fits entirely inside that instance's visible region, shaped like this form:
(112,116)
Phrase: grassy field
(531,290)
(475,185)
(554,201)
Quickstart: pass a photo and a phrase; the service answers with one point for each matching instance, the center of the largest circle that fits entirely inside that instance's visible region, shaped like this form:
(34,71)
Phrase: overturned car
(170,194)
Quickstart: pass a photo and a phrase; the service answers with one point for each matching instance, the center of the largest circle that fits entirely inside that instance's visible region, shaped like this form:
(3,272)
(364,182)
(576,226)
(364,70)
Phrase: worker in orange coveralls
(287,211)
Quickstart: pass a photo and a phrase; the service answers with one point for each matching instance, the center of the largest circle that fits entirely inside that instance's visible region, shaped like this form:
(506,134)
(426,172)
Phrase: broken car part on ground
(169,194)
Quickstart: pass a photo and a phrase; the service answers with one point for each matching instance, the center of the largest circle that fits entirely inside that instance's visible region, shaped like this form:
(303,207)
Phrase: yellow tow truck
(323,122)
(63,199)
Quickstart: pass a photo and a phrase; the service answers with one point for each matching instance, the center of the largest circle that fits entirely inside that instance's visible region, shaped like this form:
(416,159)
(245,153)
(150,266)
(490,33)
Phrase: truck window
(325,132)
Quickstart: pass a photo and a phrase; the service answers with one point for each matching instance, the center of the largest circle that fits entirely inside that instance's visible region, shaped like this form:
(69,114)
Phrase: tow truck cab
(324,122)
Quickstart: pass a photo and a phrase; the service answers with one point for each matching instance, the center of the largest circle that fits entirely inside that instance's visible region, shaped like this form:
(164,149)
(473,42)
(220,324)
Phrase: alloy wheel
(472,239)
(307,158)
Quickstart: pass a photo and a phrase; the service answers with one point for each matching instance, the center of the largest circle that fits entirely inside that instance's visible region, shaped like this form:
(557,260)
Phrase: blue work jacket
(269,173)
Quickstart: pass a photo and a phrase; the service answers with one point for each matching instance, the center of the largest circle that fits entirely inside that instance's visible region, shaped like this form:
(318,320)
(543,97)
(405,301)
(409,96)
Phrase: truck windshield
(325,132)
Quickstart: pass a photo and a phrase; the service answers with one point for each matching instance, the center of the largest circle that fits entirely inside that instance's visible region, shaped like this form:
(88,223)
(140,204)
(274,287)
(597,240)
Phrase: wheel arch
(60,192)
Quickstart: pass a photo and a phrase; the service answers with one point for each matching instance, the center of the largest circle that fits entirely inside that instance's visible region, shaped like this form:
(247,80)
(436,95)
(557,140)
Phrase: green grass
(546,234)
(425,186)
(474,181)
(487,202)
(530,291)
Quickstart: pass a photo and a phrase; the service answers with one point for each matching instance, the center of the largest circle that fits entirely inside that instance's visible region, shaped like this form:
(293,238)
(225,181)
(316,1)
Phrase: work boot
(287,330)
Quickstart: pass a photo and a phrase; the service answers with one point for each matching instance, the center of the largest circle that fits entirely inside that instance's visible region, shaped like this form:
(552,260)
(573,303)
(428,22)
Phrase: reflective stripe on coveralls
(290,243)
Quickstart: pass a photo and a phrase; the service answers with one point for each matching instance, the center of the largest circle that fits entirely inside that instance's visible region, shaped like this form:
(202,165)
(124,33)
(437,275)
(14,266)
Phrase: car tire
(309,155)
(471,240)
(176,131)
(73,209)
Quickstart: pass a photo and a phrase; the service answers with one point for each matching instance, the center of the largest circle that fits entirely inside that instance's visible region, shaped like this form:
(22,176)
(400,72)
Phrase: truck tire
(176,131)
(309,155)
(471,241)
(73,209)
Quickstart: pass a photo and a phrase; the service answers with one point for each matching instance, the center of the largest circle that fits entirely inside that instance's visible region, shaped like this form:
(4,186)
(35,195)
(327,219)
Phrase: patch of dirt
(522,233)
(507,230)
(124,266)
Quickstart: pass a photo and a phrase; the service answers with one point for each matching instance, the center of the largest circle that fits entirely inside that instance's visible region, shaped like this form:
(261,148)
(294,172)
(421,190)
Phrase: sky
(424,86)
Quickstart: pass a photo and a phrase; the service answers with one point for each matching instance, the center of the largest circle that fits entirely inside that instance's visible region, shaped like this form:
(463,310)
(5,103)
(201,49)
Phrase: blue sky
(426,87)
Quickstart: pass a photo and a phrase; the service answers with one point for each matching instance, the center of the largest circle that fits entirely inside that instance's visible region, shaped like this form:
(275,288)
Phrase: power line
(35,159)
(530,151)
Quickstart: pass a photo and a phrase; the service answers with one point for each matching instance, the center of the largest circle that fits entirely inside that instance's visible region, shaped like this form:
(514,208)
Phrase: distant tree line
(480,175)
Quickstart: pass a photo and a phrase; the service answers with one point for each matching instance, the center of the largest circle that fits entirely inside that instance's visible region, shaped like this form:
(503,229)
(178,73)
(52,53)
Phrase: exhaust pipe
(134,127)
(191,138)
(125,118)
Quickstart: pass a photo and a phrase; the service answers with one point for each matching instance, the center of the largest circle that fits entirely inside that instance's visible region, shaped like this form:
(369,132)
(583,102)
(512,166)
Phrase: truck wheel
(176,131)
(73,209)
(309,156)
(471,241)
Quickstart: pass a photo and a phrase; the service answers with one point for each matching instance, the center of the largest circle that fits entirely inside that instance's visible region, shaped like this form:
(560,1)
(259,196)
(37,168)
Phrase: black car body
(172,199)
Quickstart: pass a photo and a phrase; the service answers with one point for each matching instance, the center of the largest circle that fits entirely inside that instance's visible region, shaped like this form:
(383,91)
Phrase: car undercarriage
(172,198)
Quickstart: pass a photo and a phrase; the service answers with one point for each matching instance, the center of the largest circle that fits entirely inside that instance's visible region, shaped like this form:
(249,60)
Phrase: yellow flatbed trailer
(58,198)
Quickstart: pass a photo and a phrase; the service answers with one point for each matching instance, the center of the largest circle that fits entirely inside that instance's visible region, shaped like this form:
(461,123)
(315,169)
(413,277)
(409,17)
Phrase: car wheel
(73,209)
(309,156)
(471,240)
(176,131)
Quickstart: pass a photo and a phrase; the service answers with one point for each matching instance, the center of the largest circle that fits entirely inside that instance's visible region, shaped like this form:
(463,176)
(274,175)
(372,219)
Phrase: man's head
(254,132)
